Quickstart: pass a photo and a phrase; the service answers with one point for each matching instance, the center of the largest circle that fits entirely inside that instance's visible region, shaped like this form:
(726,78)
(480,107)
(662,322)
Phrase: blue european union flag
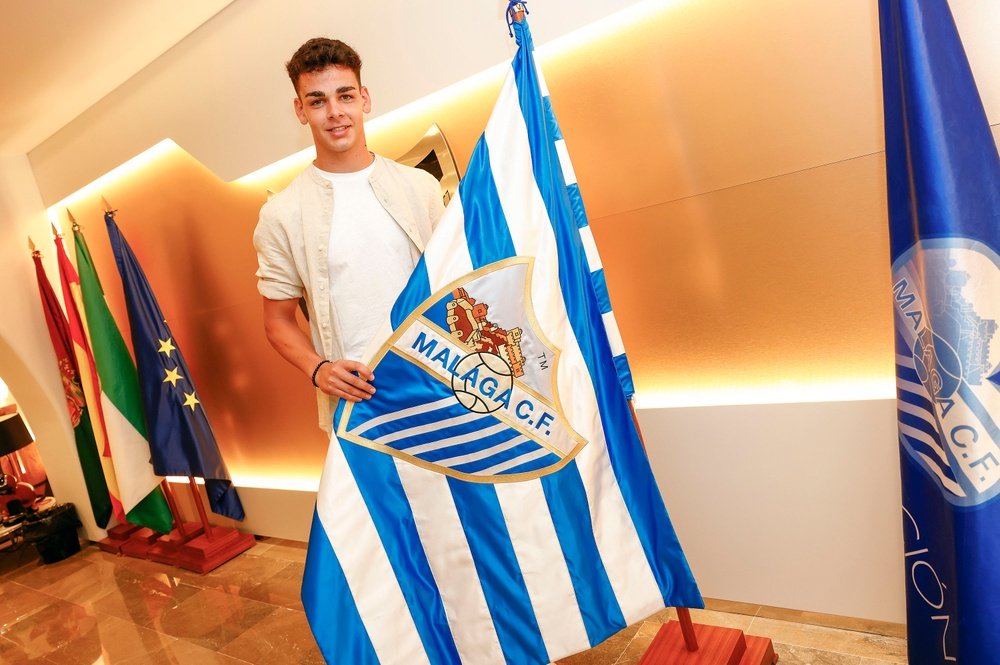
(180,437)
(944,210)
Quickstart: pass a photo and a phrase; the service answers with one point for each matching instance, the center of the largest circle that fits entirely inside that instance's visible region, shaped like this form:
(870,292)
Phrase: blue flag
(944,210)
(180,436)
(492,502)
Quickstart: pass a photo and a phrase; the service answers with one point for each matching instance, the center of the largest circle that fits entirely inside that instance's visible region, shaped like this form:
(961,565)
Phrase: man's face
(333,103)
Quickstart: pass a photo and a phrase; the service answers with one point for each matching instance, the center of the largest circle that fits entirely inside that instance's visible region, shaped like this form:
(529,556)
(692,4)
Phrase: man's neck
(343,163)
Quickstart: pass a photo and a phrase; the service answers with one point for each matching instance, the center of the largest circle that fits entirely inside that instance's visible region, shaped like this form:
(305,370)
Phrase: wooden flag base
(716,646)
(139,543)
(165,549)
(212,549)
(117,536)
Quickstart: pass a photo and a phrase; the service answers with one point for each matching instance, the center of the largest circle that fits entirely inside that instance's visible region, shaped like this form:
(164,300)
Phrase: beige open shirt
(293,234)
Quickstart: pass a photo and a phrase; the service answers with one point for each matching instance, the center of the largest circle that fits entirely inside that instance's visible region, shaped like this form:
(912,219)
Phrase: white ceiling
(59,57)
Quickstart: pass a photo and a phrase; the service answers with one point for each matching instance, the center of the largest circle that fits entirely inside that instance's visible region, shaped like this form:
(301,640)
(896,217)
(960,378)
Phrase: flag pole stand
(684,642)
(118,535)
(214,546)
(140,542)
(165,549)
(129,540)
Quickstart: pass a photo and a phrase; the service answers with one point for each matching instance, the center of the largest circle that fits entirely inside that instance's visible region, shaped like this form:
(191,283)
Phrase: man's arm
(334,378)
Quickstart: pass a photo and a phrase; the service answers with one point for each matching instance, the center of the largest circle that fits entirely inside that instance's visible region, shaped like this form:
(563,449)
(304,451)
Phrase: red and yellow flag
(76,404)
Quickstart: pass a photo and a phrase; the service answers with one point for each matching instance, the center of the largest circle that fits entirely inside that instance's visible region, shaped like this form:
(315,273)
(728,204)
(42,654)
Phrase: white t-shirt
(370,259)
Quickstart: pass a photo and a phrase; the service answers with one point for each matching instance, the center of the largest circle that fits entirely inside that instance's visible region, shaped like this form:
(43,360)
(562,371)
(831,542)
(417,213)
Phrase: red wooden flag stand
(196,546)
(684,642)
(118,535)
(214,546)
(165,549)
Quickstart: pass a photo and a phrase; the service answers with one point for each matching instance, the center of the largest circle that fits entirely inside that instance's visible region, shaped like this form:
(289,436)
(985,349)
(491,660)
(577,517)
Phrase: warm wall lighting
(609,27)
(279,169)
(261,481)
(121,171)
(785,392)
(278,482)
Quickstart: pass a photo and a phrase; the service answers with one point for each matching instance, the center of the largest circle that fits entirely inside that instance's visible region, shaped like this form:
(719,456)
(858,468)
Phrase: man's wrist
(316,371)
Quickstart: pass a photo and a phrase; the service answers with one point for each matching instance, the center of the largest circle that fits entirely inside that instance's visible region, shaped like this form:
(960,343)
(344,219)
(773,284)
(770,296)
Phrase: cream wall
(774,125)
(788,505)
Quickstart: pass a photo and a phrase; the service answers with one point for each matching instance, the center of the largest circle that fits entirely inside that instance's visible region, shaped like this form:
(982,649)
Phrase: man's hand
(346,379)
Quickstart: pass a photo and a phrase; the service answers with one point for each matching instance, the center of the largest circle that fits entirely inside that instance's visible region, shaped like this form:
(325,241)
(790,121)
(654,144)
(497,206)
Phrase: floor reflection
(96,608)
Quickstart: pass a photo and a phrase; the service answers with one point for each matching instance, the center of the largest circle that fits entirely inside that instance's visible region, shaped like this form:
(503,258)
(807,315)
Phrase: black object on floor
(53,533)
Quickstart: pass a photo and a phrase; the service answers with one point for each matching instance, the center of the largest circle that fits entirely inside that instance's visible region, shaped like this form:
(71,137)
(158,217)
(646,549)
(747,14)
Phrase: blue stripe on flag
(333,616)
(554,131)
(916,422)
(531,465)
(576,202)
(393,401)
(902,346)
(916,400)
(628,460)
(417,290)
(601,291)
(383,493)
(509,454)
(486,229)
(567,502)
(470,427)
(907,374)
(499,573)
(624,375)
(415,420)
(470,448)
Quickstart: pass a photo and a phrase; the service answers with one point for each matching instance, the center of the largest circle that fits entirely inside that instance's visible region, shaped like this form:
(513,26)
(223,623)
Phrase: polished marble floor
(97,608)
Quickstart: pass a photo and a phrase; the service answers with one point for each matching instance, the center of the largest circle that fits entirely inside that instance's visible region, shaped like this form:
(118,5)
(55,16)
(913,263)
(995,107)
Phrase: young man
(345,234)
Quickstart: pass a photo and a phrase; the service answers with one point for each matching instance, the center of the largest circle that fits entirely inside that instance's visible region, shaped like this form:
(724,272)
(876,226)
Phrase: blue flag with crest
(492,502)
(943,175)
(180,437)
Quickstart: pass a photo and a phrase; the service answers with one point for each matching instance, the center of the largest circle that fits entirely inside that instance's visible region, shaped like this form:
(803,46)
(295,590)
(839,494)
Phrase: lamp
(15,494)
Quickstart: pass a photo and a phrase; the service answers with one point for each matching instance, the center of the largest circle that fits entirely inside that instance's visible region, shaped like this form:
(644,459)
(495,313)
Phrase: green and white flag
(121,400)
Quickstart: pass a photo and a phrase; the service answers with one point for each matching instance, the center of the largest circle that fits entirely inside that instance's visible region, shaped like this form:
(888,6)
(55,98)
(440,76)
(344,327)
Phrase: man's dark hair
(319,53)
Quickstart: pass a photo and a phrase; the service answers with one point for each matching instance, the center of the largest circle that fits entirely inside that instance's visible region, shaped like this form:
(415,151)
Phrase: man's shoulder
(409,174)
(289,198)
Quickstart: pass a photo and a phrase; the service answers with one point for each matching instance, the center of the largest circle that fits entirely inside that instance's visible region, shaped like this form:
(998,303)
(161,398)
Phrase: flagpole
(172,502)
(201,508)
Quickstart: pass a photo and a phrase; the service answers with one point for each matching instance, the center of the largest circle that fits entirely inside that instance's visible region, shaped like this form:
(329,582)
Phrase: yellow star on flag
(190,400)
(166,346)
(173,376)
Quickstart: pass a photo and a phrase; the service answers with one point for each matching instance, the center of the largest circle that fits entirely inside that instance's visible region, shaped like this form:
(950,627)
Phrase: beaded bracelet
(316,371)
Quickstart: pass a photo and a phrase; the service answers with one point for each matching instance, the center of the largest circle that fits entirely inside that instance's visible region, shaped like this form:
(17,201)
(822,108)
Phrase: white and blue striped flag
(492,502)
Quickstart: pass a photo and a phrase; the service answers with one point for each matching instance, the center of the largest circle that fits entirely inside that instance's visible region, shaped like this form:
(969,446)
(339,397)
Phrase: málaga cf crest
(467,385)
(947,301)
